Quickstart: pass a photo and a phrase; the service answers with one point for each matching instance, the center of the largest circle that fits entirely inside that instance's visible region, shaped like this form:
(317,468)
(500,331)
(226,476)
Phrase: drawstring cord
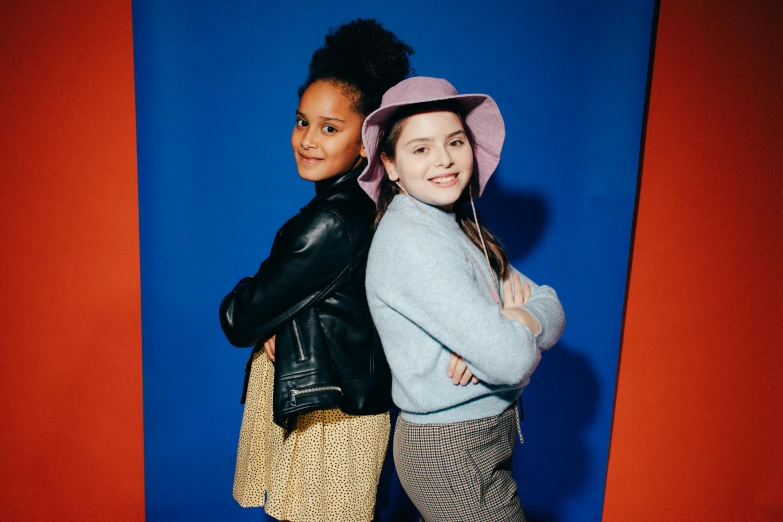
(520,415)
(481,236)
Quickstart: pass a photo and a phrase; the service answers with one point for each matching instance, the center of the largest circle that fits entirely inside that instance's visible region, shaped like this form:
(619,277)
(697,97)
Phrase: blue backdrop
(216,92)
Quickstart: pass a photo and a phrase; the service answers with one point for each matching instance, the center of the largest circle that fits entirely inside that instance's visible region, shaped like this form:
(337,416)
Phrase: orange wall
(70,378)
(698,430)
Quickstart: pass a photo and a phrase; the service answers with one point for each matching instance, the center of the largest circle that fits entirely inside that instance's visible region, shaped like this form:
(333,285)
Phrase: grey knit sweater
(428,298)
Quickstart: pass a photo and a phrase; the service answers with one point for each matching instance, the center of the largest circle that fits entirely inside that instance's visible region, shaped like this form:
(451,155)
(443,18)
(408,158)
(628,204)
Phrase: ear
(388,164)
(363,152)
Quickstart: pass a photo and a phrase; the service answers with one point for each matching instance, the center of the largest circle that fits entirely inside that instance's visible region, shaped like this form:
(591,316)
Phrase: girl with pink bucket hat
(435,293)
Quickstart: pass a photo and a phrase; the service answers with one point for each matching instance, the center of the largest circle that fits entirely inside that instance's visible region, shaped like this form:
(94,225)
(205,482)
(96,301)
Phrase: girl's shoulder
(314,226)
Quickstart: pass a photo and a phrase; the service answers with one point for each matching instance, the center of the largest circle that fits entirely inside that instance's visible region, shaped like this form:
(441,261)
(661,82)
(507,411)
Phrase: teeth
(445,179)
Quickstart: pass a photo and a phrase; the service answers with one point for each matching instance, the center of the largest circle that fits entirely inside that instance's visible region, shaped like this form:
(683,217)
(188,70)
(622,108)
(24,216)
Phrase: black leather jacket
(310,293)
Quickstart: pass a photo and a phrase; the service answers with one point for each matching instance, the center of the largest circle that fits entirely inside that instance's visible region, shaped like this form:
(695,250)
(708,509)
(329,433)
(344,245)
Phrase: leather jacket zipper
(298,340)
(307,391)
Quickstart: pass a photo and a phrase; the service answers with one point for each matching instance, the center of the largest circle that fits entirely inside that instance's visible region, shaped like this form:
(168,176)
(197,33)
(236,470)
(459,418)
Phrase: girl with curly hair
(318,388)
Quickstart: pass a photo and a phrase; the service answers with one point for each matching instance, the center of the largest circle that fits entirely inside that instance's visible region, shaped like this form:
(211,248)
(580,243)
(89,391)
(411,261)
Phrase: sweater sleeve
(308,255)
(430,280)
(545,307)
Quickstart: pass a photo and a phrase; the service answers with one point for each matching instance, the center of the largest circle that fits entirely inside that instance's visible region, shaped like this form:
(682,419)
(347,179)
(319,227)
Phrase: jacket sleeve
(309,255)
(431,282)
(545,307)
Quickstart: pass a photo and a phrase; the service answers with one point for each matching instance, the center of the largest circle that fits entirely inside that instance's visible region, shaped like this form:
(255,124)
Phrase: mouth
(308,160)
(446,180)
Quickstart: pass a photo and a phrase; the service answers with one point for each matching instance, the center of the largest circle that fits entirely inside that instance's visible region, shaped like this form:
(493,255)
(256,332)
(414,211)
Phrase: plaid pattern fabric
(461,471)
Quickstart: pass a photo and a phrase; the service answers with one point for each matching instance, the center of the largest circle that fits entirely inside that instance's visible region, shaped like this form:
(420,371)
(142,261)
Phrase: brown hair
(498,258)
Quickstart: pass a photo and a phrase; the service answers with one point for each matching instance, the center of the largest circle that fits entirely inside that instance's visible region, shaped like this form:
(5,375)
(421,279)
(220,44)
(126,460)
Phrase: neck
(326,184)
(437,214)
(445,208)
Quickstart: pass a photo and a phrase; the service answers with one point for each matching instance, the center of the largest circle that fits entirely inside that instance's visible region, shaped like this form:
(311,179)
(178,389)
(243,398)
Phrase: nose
(443,158)
(309,139)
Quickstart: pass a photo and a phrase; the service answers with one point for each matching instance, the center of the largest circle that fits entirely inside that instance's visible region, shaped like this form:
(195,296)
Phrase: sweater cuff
(540,335)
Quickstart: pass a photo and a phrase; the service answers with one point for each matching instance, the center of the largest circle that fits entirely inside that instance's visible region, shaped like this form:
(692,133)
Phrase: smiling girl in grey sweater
(435,294)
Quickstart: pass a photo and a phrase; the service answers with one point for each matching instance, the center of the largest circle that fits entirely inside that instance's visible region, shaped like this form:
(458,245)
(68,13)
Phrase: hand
(516,294)
(459,372)
(269,348)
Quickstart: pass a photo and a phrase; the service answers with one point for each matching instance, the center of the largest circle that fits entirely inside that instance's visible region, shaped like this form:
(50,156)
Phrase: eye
(456,143)
(301,123)
(420,150)
(328,129)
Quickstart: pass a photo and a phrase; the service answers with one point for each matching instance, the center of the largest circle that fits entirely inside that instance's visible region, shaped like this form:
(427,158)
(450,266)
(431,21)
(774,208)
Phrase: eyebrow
(327,118)
(423,140)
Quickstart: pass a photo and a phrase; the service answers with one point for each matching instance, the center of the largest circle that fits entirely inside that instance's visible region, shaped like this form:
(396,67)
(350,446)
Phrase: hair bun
(363,56)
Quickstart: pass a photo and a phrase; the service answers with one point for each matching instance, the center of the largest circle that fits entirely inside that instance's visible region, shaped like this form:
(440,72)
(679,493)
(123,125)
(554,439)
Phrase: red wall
(70,379)
(698,431)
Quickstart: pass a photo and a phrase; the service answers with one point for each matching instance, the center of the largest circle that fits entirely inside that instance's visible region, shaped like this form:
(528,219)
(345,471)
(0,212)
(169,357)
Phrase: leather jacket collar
(327,187)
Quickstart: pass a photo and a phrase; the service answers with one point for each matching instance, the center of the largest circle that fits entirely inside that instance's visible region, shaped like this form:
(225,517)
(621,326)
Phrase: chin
(307,175)
(312,174)
(319,176)
(450,199)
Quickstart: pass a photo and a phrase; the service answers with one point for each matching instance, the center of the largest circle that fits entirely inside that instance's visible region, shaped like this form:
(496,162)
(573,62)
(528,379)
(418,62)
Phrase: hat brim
(482,117)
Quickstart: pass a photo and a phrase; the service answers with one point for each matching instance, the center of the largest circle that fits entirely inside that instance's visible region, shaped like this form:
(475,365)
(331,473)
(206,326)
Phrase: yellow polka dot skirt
(326,470)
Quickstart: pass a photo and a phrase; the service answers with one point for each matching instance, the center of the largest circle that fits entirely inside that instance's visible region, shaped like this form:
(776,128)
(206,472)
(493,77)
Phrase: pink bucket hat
(482,117)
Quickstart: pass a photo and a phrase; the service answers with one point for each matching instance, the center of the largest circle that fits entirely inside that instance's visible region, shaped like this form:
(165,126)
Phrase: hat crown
(418,89)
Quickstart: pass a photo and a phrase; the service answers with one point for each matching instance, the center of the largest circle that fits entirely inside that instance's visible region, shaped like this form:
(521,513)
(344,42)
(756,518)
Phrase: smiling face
(327,136)
(433,159)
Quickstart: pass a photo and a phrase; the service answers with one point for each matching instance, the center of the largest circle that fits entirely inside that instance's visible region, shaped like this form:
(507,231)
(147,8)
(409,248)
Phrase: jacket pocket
(300,392)
(301,355)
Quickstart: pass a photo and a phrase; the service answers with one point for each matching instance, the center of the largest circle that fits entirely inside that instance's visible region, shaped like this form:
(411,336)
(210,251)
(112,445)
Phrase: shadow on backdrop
(562,399)
(560,404)
(519,219)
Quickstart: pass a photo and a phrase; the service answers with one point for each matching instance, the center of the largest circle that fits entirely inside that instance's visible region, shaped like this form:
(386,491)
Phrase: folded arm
(308,256)
(545,307)
(432,283)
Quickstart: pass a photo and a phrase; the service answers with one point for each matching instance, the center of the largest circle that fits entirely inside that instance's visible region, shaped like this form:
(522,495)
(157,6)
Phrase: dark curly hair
(363,58)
